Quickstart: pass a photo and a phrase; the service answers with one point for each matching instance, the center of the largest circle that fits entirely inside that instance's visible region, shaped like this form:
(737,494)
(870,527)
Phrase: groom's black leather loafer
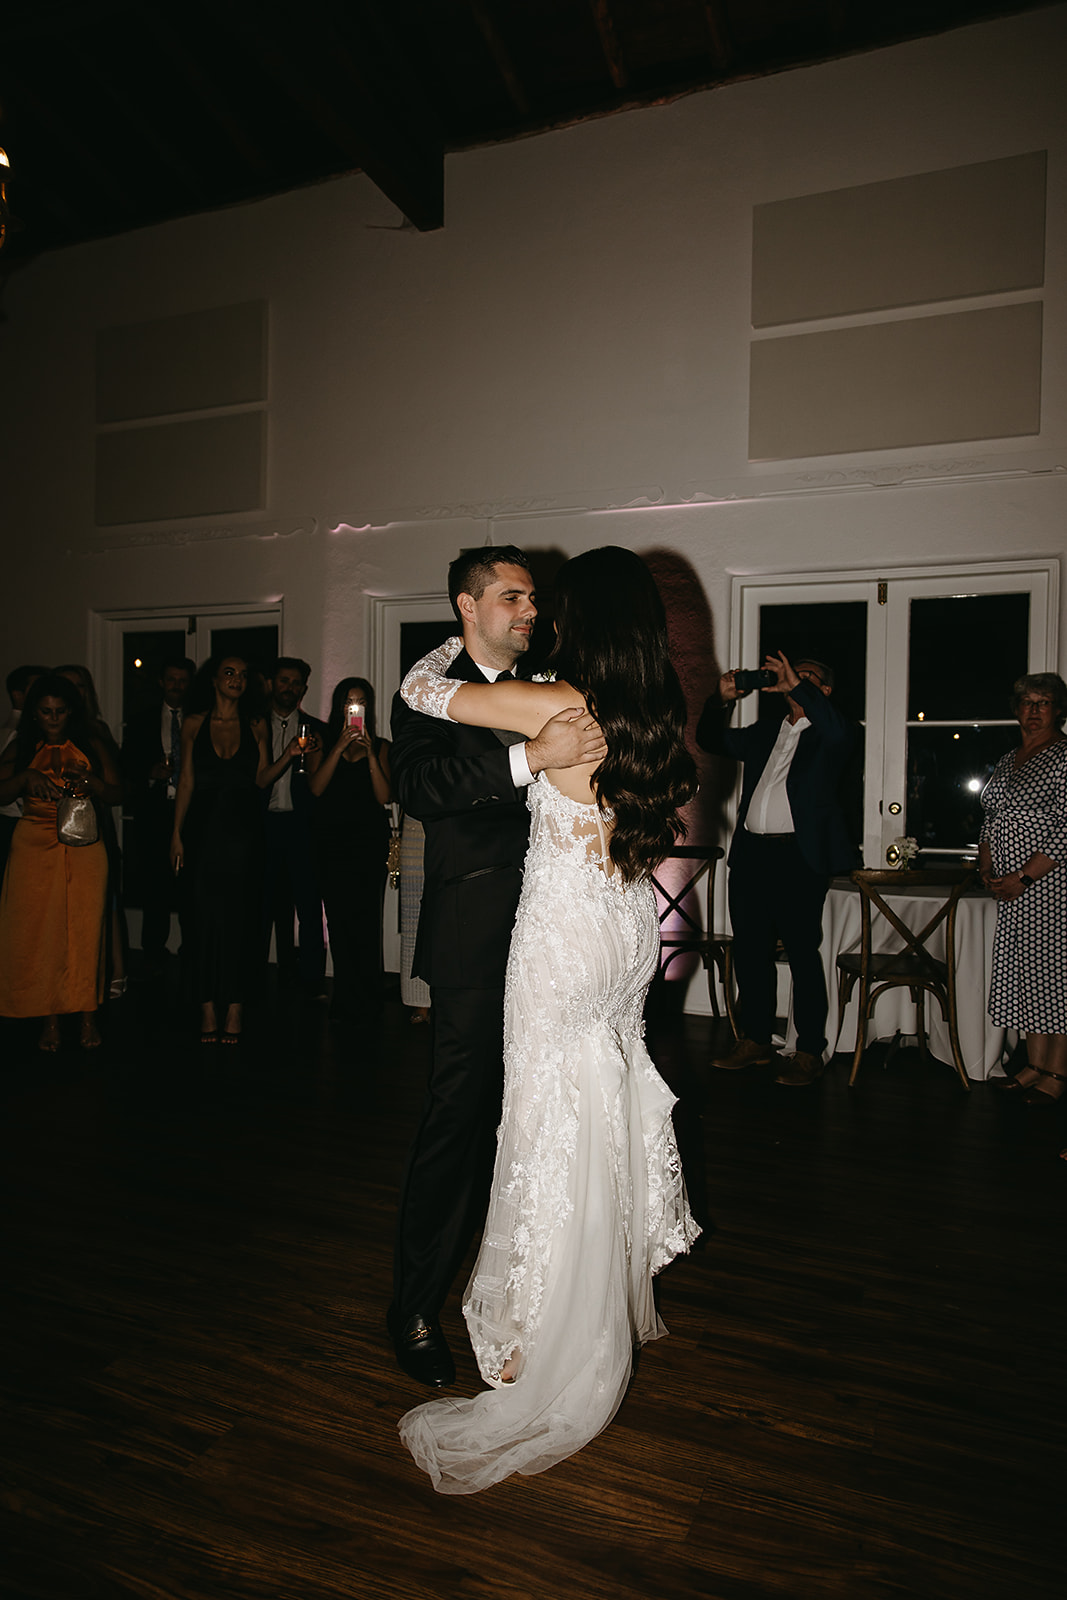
(422,1350)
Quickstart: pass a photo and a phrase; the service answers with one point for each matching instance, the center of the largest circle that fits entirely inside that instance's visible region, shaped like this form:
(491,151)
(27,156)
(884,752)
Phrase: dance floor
(862,1394)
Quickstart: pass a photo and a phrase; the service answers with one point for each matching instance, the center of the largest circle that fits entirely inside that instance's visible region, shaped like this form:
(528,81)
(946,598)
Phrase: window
(925,662)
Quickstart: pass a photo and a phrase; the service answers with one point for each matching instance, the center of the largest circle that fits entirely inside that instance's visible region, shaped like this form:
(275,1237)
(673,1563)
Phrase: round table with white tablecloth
(983,1046)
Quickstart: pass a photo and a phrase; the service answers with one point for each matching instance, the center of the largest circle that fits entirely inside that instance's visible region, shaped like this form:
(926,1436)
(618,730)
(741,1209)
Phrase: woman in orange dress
(54,895)
(115,927)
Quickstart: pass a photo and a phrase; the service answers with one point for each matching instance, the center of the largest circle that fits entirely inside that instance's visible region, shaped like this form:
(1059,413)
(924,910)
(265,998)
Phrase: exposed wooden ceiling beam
(609,42)
(838,17)
(96,67)
(501,55)
(372,134)
(719,35)
(211,97)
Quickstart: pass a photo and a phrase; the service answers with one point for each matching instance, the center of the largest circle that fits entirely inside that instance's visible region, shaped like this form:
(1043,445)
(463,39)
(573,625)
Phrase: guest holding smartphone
(350,779)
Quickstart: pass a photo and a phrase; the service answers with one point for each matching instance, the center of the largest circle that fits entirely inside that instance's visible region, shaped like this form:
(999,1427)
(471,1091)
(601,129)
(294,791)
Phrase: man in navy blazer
(467,788)
(790,839)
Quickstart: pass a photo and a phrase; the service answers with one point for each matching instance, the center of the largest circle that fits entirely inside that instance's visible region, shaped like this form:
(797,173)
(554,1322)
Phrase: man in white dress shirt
(790,839)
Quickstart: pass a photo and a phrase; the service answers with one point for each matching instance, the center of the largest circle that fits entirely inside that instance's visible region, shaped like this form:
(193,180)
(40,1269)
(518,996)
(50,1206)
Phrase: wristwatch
(1025,878)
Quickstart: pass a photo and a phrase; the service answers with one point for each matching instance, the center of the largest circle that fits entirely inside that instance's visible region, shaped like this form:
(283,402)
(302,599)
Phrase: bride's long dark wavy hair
(612,646)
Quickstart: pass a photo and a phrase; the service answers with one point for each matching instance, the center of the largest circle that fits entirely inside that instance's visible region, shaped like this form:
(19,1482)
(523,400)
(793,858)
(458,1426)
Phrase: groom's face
(498,626)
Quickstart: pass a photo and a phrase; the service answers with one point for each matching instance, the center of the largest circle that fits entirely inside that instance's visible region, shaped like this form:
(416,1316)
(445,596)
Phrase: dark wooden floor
(862,1394)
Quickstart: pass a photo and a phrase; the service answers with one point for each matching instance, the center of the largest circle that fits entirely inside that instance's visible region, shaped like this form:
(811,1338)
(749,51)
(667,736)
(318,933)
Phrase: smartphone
(354,717)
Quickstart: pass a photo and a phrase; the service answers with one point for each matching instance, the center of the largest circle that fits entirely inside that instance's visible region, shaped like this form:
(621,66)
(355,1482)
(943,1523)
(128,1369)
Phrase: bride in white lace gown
(588,1200)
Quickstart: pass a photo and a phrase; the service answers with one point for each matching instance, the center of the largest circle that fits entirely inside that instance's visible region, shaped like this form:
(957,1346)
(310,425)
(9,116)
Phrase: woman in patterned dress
(1021,859)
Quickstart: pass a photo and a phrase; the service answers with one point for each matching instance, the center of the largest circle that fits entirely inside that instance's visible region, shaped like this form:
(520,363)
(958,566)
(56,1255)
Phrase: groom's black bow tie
(503,675)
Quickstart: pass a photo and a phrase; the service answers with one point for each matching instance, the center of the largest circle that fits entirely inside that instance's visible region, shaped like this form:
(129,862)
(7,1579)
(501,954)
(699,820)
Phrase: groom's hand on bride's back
(569,739)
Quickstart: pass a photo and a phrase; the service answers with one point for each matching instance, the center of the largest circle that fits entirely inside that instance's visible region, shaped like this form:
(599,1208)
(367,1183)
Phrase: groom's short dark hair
(472,570)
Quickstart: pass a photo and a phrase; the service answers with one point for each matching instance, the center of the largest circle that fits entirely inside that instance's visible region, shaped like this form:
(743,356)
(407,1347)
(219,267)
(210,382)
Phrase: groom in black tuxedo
(467,787)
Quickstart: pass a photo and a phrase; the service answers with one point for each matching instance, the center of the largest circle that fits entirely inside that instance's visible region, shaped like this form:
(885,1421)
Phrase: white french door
(393,625)
(936,652)
(121,646)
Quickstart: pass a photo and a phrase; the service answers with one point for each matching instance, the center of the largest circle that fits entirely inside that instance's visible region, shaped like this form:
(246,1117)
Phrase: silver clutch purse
(76,821)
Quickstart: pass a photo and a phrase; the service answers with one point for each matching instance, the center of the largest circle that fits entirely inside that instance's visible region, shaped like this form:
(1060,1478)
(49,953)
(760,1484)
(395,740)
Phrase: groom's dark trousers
(457,782)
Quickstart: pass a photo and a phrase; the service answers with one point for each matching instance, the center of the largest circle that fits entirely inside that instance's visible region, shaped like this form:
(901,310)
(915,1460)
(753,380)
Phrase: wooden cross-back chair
(695,935)
(913,967)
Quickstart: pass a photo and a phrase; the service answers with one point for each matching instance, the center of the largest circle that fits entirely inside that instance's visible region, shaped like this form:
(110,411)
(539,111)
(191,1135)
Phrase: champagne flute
(303,735)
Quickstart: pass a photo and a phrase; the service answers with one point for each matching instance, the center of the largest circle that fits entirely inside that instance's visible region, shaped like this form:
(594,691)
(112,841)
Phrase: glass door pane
(947,771)
(964,653)
(257,644)
(959,721)
(835,633)
(955,644)
(144,650)
(832,631)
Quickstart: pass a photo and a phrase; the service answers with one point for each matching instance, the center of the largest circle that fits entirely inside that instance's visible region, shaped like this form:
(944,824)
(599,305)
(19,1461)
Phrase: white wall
(564,364)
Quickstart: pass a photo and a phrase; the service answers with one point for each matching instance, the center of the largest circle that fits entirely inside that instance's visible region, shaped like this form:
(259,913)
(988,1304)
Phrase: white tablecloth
(982,1045)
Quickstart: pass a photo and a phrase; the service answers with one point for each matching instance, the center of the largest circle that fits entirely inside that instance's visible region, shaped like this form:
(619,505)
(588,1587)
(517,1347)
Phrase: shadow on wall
(692,645)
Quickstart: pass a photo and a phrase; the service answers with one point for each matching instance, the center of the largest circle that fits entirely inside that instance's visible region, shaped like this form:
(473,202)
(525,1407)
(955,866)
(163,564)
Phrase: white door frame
(383,617)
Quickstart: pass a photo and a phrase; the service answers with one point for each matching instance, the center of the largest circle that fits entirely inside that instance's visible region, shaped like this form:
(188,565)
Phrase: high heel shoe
(1014,1086)
(1037,1099)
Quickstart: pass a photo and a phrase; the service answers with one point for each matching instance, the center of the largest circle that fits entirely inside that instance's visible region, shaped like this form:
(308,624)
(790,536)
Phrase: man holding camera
(789,840)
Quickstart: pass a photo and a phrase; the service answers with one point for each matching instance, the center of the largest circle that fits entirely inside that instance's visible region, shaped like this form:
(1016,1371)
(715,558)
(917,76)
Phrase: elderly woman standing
(1022,854)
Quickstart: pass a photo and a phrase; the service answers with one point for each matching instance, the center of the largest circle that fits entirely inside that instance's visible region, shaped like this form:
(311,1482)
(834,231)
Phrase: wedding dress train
(588,1201)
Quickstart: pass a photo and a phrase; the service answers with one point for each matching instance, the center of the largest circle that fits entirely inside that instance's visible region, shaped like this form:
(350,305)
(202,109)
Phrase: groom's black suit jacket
(457,782)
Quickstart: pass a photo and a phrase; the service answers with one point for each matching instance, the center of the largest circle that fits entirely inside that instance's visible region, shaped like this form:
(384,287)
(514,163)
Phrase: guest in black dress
(350,779)
(217,842)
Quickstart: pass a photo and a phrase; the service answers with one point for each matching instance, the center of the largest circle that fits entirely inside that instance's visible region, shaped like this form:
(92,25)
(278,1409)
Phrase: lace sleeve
(426,688)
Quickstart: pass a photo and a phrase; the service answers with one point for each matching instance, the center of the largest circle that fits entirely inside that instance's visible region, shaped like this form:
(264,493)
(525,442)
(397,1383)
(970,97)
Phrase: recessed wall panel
(181,469)
(195,362)
(946,235)
(929,380)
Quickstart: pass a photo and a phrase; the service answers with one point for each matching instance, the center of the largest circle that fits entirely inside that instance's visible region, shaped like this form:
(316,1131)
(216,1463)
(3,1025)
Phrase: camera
(755,678)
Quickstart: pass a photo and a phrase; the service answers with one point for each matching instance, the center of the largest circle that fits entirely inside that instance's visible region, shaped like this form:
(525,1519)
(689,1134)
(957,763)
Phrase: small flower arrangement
(906,849)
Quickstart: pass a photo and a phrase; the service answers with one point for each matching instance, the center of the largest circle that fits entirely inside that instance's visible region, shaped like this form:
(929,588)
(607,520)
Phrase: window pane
(834,631)
(143,655)
(964,654)
(417,639)
(258,645)
(947,771)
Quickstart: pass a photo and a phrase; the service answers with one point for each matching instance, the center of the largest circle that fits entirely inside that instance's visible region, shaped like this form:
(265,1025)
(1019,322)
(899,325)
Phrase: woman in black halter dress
(218,839)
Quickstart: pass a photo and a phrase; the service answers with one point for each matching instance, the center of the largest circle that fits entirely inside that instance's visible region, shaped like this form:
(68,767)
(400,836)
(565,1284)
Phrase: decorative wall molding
(756,484)
(162,535)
